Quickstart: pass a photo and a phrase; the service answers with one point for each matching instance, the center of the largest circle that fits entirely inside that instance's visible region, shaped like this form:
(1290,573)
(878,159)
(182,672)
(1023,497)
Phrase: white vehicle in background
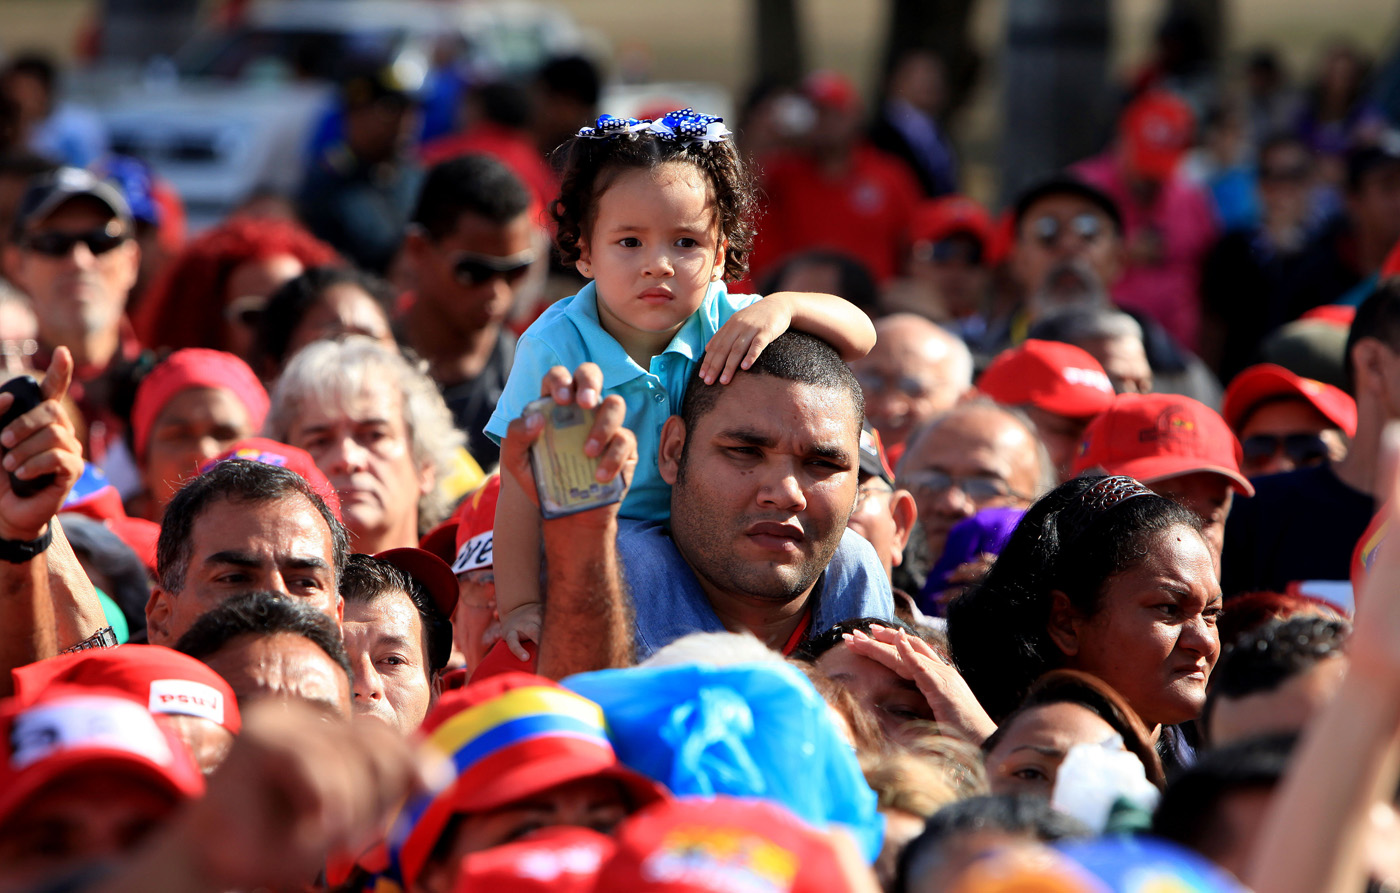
(235,110)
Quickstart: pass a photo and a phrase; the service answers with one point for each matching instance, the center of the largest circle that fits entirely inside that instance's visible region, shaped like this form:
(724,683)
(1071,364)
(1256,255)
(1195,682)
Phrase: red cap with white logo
(1058,378)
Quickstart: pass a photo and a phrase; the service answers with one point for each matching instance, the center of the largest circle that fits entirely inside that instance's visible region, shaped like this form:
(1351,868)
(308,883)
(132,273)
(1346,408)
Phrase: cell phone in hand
(27,396)
(564,477)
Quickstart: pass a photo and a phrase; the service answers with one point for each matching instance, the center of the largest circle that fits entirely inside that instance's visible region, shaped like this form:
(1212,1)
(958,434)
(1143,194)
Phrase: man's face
(79,293)
(475,624)
(283,545)
(363,446)
(283,665)
(907,378)
(389,656)
(463,302)
(1061,436)
(1209,496)
(1375,206)
(1283,709)
(1285,434)
(884,516)
(761,498)
(596,803)
(1061,228)
(84,817)
(954,268)
(195,426)
(975,459)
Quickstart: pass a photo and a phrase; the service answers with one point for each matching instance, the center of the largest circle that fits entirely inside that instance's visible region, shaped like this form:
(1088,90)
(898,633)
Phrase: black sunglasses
(1302,449)
(1049,229)
(98,240)
(476,269)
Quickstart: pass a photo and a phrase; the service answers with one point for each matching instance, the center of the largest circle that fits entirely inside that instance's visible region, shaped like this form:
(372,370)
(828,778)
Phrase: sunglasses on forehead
(98,240)
(473,269)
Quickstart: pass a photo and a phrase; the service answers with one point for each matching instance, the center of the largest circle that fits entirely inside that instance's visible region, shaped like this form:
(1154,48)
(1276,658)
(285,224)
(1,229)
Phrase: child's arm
(740,340)
(516,553)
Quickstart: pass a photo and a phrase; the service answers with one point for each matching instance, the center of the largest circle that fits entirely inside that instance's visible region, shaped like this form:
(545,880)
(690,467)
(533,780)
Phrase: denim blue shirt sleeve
(669,602)
(570,333)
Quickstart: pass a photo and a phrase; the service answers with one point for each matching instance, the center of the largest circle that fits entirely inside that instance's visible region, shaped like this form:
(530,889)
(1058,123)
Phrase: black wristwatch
(25,551)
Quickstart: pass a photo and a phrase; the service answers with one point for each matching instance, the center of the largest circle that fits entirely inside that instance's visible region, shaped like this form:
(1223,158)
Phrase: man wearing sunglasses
(72,252)
(470,245)
(1285,421)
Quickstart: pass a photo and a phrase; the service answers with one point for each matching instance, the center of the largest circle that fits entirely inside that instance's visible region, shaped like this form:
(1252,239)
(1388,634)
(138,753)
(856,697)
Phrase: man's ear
(904,512)
(1063,625)
(1367,359)
(340,610)
(158,610)
(668,461)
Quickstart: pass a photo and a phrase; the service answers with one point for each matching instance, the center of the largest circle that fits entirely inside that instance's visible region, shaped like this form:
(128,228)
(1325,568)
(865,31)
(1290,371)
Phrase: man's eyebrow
(830,453)
(306,562)
(235,558)
(748,436)
(394,640)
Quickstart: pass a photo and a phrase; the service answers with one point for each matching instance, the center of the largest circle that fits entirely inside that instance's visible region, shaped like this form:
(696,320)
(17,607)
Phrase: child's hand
(740,341)
(522,624)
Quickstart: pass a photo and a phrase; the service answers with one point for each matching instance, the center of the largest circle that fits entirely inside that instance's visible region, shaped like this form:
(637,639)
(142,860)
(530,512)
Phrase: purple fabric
(987,531)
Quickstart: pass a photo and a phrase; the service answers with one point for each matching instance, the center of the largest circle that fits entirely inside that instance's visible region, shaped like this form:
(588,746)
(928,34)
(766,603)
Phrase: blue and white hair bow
(682,124)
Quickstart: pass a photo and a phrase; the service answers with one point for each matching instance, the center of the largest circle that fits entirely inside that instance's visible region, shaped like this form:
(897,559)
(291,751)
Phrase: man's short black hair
(37,65)
(1018,814)
(367,578)
(1268,656)
(1066,183)
(237,481)
(1378,317)
(793,356)
(573,77)
(475,184)
(1189,811)
(263,614)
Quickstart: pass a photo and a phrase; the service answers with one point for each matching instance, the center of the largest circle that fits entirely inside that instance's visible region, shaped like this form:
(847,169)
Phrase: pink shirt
(1168,291)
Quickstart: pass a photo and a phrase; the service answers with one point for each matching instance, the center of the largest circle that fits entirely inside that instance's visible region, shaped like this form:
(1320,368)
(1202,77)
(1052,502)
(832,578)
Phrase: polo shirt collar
(617,367)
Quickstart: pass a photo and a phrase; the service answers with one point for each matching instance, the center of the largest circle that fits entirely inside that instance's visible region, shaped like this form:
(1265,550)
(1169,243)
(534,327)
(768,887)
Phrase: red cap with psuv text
(72,729)
(1258,383)
(167,681)
(1152,437)
(476,521)
(272,452)
(1156,129)
(1050,375)
(430,571)
(718,845)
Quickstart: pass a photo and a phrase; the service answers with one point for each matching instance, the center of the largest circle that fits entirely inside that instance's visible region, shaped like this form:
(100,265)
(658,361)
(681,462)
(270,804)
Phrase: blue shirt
(569,333)
(670,603)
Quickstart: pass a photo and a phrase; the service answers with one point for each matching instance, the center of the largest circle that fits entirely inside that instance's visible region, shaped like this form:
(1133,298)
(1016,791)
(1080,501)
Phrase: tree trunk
(778,56)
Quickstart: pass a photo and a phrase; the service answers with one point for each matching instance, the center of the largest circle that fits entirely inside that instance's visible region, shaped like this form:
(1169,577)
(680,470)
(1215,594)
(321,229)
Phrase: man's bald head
(977,455)
(916,370)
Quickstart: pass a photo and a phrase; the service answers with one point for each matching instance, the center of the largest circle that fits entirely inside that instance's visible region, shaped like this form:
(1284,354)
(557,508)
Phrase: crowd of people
(592,503)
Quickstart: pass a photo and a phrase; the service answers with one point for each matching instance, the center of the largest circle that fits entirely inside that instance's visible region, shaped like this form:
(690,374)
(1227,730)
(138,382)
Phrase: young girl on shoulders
(657,215)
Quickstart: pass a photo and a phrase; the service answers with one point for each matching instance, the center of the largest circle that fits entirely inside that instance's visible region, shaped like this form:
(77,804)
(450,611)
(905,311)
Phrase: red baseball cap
(939,218)
(70,729)
(720,844)
(431,572)
(272,452)
(559,859)
(511,736)
(194,367)
(831,89)
(476,521)
(1157,129)
(167,681)
(1340,315)
(1267,380)
(1049,375)
(1156,436)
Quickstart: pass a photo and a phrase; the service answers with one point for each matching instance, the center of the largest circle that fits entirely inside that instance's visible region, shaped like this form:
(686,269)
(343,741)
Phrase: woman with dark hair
(1104,576)
(1062,709)
(323,302)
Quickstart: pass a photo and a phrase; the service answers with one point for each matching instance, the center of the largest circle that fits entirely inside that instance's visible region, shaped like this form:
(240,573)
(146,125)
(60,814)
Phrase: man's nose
(368,683)
(783,490)
(346,456)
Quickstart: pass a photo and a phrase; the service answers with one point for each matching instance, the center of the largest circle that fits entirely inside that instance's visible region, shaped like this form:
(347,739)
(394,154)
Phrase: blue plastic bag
(750,730)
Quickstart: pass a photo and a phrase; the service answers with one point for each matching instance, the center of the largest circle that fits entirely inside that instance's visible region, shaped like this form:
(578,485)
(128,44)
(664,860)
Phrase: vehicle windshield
(279,55)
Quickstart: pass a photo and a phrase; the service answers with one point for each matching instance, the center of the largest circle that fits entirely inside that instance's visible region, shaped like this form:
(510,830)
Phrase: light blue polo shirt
(569,333)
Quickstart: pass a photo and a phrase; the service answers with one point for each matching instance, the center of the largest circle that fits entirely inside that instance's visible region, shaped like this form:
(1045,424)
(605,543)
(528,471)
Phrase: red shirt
(863,212)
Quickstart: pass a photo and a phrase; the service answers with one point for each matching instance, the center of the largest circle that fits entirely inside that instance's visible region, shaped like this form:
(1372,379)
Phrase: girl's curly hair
(590,165)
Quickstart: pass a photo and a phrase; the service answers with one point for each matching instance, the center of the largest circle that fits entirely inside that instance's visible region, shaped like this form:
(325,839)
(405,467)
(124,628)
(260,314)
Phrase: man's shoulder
(854,585)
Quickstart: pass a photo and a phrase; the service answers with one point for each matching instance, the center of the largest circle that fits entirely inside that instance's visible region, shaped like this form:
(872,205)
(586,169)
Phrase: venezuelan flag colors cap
(507,737)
